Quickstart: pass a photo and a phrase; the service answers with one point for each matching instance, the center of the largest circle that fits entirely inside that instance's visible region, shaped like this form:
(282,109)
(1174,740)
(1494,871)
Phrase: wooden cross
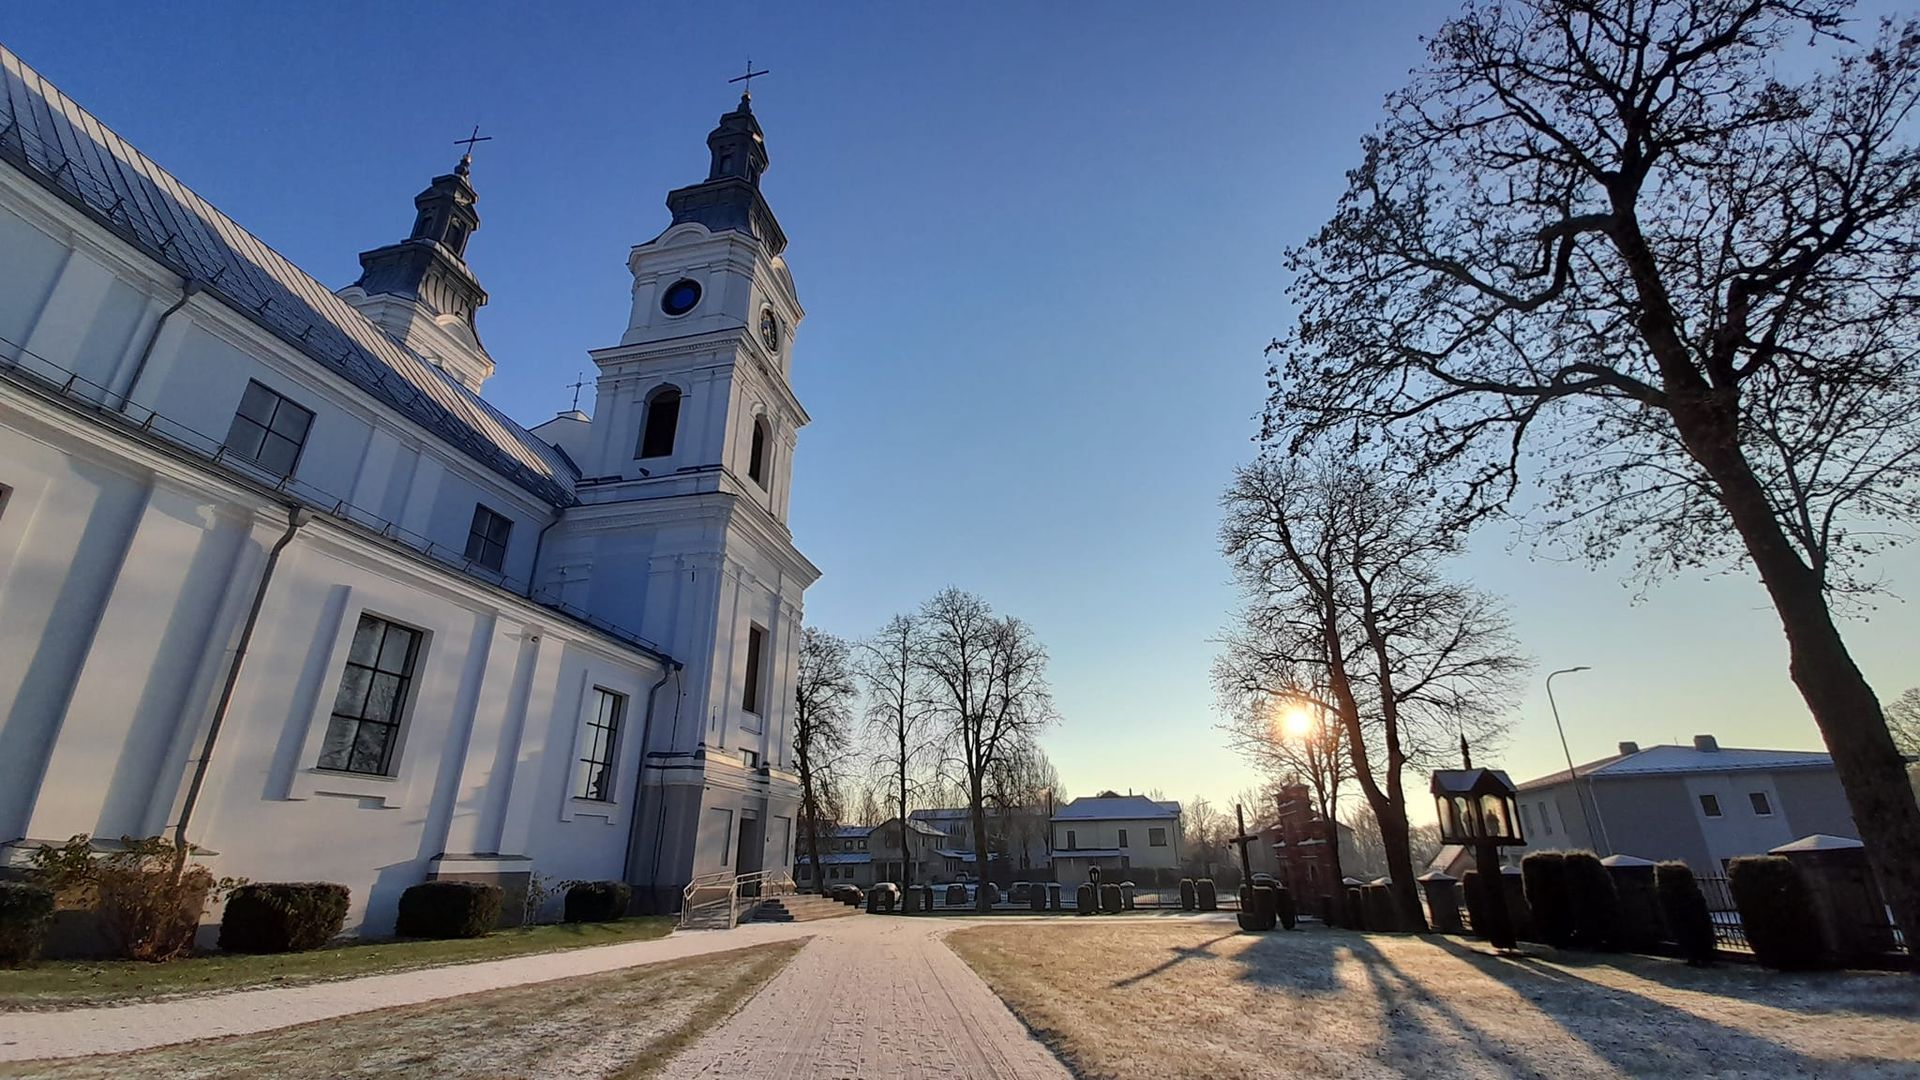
(476,137)
(748,78)
(1242,840)
(580,380)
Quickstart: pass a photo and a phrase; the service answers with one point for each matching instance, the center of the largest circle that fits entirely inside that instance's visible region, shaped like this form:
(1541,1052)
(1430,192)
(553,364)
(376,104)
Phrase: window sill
(386,791)
(606,811)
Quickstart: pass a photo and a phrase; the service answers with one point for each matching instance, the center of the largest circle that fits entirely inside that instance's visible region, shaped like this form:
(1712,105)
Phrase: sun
(1296,722)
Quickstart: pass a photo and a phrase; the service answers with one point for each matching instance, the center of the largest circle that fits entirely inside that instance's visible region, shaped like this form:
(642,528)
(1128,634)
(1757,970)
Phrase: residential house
(866,854)
(1702,804)
(1124,835)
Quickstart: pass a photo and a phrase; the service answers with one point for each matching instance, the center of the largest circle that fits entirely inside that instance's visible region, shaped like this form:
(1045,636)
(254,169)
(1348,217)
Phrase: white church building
(276,580)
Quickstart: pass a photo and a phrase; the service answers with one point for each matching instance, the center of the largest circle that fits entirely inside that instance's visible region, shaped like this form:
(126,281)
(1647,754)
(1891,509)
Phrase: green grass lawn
(66,983)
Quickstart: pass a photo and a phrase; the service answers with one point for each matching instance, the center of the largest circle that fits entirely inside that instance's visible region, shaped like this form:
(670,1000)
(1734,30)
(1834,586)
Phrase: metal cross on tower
(580,380)
(468,142)
(748,78)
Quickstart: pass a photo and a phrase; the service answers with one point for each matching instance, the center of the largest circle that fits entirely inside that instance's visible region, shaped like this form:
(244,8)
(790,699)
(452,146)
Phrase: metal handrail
(736,892)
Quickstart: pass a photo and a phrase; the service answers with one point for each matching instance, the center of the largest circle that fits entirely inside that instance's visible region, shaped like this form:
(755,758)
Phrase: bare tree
(1276,719)
(988,675)
(1205,831)
(897,712)
(1903,719)
(1607,241)
(1348,571)
(1022,788)
(822,711)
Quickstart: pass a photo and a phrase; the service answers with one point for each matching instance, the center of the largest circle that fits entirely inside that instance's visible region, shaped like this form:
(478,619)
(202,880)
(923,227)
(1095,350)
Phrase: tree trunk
(906,854)
(1871,770)
(979,809)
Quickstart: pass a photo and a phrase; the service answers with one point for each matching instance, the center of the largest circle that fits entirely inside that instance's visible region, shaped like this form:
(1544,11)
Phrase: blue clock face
(680,297)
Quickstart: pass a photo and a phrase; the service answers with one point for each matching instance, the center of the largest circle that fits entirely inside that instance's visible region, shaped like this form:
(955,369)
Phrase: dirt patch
(621,1024)
(1153,999)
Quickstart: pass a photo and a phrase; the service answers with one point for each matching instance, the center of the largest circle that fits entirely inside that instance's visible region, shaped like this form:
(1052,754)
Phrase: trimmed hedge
(1381,913)
(1777,911)
(1544,874)
(992,891)
(448,909)
(1596,907)
(283,916)
(1356,908)
(1085,900)
(598,901)
(1189,898)
(1685,908)
(1640,928)
(25,912)
(1205,895)
(956,895)
(1110,899)
(1476,894)
(1283,907)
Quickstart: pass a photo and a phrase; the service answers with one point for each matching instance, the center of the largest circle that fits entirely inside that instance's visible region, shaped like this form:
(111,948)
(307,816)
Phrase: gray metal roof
(1119,808)
(49,138)
(1669,760)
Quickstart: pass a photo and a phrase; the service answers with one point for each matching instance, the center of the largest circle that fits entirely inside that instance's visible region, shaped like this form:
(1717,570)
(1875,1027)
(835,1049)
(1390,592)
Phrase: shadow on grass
(1631,1030)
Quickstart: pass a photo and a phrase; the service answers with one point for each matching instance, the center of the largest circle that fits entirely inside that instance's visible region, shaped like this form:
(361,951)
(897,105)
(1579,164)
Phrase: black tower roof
(430,265)
(730,198)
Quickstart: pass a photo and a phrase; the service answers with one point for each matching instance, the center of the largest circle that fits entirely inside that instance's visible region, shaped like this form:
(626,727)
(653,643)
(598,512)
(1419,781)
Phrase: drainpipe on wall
(534,573)
(187,292)
(296,517)
(646,729)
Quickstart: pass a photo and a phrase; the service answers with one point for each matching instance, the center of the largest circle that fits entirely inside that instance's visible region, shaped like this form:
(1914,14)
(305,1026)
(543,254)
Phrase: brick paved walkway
(876,998)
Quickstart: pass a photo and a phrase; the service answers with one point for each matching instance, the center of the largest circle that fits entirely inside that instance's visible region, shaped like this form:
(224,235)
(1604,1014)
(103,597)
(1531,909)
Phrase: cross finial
(466,161)
(747,92)
(580,380)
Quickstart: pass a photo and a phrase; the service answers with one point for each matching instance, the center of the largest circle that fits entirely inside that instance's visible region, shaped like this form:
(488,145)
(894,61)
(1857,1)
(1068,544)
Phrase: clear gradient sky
(1040,252)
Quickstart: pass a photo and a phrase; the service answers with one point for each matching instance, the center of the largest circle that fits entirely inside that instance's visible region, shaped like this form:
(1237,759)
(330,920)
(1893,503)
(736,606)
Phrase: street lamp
(1479,809)
(1598,835)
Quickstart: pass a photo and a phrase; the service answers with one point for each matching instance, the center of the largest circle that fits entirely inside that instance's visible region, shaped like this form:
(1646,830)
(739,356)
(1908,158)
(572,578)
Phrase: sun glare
(1296,722)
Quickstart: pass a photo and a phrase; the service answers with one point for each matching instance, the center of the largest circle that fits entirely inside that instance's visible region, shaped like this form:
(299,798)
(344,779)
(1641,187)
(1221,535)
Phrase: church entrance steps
(784,909)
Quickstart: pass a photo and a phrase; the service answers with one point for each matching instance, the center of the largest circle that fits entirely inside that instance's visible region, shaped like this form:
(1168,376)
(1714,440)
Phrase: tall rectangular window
(1123,838)
(1156,838)
(756,646)
(593,779)
(372,699)
(268,430)
(1710,805)
(1072,844)
(1761,805)
(487,538)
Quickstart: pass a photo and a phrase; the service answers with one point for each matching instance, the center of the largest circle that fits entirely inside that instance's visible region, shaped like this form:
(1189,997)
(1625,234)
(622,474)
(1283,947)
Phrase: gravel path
(118,1028)
(873,998)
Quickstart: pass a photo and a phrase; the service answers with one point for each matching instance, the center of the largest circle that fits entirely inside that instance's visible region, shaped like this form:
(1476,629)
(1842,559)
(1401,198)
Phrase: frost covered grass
(622,1024)
(1173,1000)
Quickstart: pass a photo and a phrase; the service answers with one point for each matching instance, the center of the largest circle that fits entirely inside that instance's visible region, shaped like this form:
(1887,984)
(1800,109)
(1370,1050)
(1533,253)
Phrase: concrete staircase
(802,908)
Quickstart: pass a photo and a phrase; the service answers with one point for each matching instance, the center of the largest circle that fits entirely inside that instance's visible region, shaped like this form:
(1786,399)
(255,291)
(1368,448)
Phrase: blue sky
(1040,251)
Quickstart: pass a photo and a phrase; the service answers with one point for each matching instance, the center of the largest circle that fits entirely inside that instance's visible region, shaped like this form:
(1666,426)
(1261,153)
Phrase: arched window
(663,420)
(757,456)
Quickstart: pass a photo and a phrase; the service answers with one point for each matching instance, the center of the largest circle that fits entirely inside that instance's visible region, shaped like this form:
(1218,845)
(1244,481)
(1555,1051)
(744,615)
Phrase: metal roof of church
(61,146)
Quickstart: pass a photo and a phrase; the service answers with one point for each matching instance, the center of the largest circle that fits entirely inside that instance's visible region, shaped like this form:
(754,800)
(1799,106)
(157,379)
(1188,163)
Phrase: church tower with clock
(681,535)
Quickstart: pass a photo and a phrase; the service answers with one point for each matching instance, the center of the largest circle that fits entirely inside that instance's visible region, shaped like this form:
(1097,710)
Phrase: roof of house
(852,831)
(1117,808)
(52,140)
(841,858)
(1669,760)
(867,830)
(1088,853)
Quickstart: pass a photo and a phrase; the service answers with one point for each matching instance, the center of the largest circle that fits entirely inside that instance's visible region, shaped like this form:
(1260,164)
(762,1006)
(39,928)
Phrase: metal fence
(1729,934)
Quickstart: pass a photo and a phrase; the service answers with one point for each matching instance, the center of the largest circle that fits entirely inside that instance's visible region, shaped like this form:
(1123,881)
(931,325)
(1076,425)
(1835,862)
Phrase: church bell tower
(682,536)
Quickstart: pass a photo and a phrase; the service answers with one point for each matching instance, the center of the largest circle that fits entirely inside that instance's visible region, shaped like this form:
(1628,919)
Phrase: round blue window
(680,297)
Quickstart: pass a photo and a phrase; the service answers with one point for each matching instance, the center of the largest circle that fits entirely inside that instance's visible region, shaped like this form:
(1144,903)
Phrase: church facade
(276,580)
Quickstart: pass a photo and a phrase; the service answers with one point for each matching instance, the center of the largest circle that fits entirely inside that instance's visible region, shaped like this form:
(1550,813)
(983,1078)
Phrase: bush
(1189,898)
(147,909)
(1356,909)
(1382,915)
(598,901)
(1205,895)
(281,916)
(1519,912)
(1549,896)
(1083,899)
(992,891)
(956,895)
(1685,909)
(448,909)
(1284,909)
(1110,899)
(1037,897)
(1596,907)
(1777,911)
(1258,907)
(1476,894)
(25,911)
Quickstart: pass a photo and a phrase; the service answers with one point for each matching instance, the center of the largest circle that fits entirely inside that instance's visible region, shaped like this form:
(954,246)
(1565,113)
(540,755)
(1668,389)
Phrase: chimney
(1629,748)
(1705,743)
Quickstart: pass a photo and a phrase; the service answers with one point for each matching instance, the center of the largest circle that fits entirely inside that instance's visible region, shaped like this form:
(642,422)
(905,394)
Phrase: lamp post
(1479,809)
(1597,836)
